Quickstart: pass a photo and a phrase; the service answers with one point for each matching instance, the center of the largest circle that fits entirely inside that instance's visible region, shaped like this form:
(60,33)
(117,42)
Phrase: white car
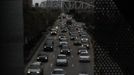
(58,71)
(63,43)
(62,38)
(61,60)
(82,49)
(84,57)
(35,68)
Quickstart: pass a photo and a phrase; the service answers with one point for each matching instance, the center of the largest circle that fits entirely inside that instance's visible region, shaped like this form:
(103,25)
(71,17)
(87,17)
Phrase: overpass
(67,5)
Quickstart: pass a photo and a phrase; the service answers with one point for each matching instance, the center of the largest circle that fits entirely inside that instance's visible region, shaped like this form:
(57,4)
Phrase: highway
(74,67)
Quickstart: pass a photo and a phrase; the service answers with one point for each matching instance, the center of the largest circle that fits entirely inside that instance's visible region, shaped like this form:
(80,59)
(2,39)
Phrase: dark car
(64,30)
(85,44)
(48,46)
(73,37)
(53,32)
(77,42)
(42,57)
(65,50)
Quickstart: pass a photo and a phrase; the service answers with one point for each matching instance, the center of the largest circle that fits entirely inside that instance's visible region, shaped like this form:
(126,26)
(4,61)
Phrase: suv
(49,45)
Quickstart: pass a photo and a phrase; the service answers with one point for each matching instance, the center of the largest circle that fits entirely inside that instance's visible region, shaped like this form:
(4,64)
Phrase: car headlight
(38,58)
(37,72)
(82,39)
(28,72)
(86,39)
(45,57)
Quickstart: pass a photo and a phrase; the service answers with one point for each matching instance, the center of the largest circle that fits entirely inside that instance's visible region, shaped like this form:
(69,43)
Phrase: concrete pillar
(11,42)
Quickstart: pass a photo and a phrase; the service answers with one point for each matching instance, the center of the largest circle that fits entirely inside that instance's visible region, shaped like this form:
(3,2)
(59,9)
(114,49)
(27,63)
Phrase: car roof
(61,55)
(58,69)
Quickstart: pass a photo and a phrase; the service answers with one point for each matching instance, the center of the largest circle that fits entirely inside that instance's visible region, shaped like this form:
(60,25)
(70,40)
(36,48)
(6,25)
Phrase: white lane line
(53,56)
(72,56)
(51,65)
(72,65)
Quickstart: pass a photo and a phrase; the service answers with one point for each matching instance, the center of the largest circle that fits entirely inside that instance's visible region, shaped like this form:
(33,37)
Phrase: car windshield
(58,72)
(82,48)
(49,41)
(83,54)
(34,67)
(84,36)
(61,57)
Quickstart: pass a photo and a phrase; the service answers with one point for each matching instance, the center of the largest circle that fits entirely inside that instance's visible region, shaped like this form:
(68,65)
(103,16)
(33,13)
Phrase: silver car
(84,57)
(58,71)
(61,60)
(82,49)
(35,68)
(63,43)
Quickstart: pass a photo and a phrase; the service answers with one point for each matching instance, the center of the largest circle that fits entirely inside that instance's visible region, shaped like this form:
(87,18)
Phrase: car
(85,44)
(62,38)
(64,30)
(61,60)
(58,71)
(42,57)
(61,35)
(77,42)
(48,46)
(53,32)
(82,33)
(35,69)
(84,57)
(63,42)
(73,37)
(65,50)
(82,49)
(83,73)
(72,32)
(84,38)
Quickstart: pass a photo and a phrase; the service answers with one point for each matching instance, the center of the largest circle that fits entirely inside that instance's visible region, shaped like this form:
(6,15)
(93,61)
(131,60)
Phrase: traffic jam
(66,50)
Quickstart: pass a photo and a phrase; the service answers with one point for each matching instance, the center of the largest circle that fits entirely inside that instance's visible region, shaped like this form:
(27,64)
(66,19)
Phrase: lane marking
(51,65)
(53,56)
(72,56)
(72,65)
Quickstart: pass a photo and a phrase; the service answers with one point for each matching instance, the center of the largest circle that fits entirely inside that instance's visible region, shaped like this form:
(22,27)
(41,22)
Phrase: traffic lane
(39,49)
(49,66)
(81,67)
(78,66)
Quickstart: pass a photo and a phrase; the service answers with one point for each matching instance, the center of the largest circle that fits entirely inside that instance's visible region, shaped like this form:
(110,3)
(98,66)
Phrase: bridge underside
(68,5)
